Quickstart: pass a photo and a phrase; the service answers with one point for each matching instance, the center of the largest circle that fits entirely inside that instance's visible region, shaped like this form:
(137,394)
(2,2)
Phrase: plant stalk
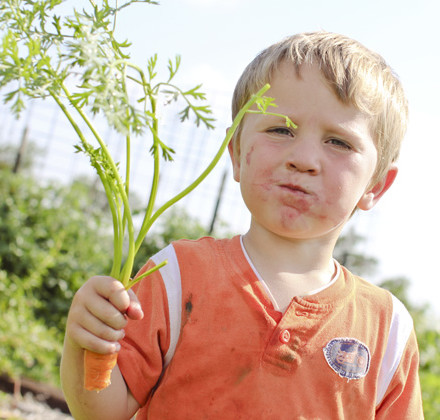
(149,222)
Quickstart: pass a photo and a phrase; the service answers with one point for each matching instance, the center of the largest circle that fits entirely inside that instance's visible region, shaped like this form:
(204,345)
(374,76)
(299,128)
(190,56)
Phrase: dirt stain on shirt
(188,306)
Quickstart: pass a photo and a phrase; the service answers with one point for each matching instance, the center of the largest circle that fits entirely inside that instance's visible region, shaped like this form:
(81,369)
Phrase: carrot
(98,369)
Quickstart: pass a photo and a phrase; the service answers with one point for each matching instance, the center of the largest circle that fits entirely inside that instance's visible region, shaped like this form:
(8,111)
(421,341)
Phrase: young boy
(268,325)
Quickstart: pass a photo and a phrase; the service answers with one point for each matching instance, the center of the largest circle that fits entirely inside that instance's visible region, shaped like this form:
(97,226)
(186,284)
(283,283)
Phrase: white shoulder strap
(171,277)
(400,330)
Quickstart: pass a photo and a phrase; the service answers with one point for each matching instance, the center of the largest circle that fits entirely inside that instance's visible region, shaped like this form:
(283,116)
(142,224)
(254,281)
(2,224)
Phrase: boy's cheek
(248,157)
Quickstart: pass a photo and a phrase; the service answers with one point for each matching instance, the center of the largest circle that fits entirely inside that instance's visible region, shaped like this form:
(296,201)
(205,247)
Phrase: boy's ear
(234,154)
(375,193)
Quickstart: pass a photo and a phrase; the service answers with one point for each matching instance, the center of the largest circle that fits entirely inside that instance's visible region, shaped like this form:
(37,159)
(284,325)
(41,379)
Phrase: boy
(267,325)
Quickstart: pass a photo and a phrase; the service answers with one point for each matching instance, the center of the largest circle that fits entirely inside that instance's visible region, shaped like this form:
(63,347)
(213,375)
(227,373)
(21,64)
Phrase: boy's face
(305,183)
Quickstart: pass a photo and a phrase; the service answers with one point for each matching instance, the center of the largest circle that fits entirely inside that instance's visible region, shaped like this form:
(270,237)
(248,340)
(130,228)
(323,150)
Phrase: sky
(218,38)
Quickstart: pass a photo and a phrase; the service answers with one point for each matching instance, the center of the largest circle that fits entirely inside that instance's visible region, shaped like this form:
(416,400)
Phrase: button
(285,336)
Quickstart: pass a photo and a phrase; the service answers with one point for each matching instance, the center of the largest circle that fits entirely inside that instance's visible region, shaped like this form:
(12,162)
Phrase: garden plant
(76,61)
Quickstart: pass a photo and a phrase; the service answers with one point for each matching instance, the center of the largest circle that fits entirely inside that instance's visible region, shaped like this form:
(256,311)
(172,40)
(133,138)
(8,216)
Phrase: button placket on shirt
(282,348)
(285,336)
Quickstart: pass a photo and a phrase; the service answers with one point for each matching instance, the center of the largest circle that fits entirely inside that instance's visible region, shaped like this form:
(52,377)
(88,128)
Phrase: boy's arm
(96,320)
(114,402)
(403,398)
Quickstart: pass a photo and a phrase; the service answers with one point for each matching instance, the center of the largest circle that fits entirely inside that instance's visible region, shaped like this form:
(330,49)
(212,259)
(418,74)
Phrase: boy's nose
(303,156)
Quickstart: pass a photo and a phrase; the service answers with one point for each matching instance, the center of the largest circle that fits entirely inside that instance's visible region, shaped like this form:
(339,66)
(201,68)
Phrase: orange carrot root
(98,369)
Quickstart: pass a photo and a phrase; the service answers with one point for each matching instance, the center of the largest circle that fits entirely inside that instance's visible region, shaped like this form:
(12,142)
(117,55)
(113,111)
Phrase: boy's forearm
(113,402)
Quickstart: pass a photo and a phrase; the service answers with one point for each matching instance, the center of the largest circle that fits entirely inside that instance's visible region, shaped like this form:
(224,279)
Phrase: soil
(31,401)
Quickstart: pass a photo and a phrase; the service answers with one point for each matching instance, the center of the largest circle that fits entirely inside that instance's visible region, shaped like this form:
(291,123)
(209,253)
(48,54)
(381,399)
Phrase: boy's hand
(99,312)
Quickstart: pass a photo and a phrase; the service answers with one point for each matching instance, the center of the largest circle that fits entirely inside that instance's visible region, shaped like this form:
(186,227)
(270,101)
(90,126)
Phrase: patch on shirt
(348,357)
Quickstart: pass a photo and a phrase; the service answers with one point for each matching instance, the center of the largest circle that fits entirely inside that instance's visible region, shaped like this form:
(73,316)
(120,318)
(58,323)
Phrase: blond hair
(358,77)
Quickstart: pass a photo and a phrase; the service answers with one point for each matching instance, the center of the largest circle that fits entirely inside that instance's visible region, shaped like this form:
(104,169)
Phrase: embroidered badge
(348,357)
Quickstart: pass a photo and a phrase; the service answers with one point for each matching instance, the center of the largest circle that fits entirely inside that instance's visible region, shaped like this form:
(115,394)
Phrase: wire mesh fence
(215,203)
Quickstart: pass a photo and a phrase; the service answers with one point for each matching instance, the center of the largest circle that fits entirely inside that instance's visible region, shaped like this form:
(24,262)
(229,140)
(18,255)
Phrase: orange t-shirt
(212,345)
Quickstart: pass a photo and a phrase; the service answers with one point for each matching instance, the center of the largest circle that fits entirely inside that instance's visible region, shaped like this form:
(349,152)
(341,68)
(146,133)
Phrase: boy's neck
(293,267)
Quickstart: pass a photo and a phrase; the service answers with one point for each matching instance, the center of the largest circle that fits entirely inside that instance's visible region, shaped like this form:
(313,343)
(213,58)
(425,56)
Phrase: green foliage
(431,397)
(53,238)
(28,347)
(429,344)
(263,105)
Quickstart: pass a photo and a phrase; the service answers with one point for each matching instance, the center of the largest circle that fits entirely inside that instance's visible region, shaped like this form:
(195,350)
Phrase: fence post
(21,150)
(219,199)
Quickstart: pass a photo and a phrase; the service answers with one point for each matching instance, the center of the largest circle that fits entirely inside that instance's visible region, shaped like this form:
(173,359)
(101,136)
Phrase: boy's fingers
(100,329)
(89,341)
(99,312)
(104,323)
(95,297)
(124,300)
(134,311)
(105,312)
(89,332)
(114,291)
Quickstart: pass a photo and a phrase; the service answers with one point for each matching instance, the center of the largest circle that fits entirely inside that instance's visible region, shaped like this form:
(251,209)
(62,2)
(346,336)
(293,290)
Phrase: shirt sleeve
(403,399)
(146,341)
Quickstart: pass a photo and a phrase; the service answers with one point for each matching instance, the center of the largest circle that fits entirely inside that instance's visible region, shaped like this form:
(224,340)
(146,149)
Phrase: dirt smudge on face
(249,155)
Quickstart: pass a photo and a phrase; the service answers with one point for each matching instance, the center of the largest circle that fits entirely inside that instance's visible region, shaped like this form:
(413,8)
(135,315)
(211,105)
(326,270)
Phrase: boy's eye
(284,131)
(340,143)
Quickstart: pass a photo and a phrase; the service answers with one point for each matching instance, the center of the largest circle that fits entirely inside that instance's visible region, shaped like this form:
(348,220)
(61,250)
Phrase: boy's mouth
(294,188)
